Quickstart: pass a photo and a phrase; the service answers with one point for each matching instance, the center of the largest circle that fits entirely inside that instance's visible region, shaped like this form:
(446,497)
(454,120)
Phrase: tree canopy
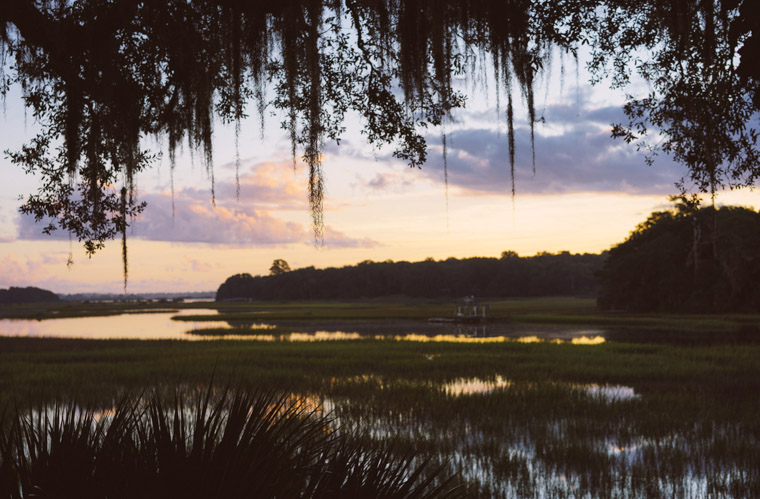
(544,274)
(279,267)
(686,260)
(101,76)
(26,295)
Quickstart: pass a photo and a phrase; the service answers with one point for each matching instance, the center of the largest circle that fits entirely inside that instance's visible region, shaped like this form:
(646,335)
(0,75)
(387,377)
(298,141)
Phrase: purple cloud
(265,188)
(573,154)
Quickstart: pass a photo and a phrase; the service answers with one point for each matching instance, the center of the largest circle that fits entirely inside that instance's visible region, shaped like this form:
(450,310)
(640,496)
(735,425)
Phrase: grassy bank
(548,311)
(542,418)
(93,366)
(669,408)
(571,311)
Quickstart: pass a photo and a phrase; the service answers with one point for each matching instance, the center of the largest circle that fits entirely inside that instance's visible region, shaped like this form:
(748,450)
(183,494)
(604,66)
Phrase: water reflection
(500,439)
(142,325)
(583,340)
(157,324)
(298,337)
(471,386)
(419,329)
(509,439)
(611,393)
(234,334)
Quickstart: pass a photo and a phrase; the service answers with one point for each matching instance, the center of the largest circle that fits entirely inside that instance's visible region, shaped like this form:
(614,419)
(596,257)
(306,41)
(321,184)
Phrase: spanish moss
(445,177)
(124,235)
(102,77)
(237,161)
(511,140)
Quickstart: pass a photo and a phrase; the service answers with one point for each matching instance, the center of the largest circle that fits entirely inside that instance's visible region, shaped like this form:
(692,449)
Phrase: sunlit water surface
(158,325)
(596,452)
(502,452)
(141,326)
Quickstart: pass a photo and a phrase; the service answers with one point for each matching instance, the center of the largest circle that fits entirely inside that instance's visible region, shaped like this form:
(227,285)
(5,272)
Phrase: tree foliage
(101,77)
(542,275)
(686,260)
(26,295)
(279,267)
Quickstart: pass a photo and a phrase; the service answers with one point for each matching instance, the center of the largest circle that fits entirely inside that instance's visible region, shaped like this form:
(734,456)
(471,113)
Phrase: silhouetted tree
(100,76)
(663,267)
(27,295)
(279,267)
(542,275)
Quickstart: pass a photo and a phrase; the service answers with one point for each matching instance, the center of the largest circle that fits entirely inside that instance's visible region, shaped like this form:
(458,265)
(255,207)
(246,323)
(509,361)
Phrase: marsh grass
(569,311)
(239,443)
(547,311)
(254,330)
(513,419)
(547,439)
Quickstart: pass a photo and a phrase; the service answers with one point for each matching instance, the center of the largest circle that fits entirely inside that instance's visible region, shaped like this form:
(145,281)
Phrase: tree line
(26,295)
(686,260)
(544,274)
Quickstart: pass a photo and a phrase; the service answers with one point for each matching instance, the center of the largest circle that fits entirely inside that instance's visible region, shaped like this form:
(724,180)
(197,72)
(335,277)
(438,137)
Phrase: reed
(238,442)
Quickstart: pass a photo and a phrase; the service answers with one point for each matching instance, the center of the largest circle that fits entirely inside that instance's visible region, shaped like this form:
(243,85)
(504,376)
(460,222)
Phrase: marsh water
(518,439)
(158,325)
(505,437)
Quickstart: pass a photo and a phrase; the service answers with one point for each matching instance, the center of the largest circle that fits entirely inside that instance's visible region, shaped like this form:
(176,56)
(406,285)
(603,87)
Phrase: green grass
(571,311)
(691,430)
(549,311)
(92,365)
(695,406)
(240,331)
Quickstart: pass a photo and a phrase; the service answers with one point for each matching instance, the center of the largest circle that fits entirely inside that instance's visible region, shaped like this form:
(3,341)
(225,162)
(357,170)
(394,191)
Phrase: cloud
(273,185)
(197,265)
(200,222)
(385,181)
(28,271)
(265,189)
(337,239)
(573,154)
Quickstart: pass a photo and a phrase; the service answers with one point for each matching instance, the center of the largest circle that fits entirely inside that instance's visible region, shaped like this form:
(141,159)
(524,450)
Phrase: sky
(587,194)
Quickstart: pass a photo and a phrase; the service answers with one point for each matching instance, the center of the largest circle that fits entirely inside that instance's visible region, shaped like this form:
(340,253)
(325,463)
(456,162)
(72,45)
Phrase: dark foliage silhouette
(688,260)
(237,443)
(27,295)
(102,76)
(542,275)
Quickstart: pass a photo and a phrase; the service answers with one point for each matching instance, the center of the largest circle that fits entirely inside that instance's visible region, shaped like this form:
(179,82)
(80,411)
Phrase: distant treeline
(686,260)
(544,274)
(26,295)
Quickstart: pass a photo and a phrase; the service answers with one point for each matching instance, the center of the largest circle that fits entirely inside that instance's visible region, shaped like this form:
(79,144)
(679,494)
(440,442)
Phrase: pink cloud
(200,222)
(270,184)
(265,189)
(337,239)
(391,181)
(197,265)
(27,271)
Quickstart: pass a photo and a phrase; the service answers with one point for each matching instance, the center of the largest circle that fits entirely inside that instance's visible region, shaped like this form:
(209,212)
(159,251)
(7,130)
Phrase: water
(139,325)
(508,439)
(158,325)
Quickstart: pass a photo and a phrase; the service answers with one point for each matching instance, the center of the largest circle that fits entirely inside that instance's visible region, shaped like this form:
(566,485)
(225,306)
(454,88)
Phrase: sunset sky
(589,191)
